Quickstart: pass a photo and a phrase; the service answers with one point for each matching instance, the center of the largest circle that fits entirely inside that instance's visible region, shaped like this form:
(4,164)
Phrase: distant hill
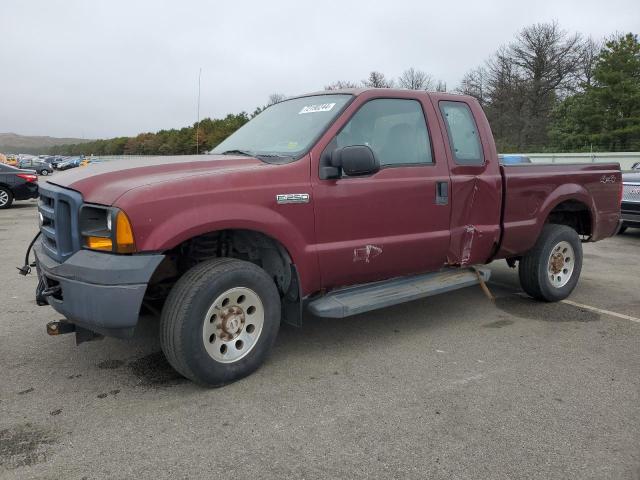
(14,143)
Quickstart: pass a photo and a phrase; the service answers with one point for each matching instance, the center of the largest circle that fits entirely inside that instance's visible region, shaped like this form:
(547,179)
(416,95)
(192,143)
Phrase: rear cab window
(462,131)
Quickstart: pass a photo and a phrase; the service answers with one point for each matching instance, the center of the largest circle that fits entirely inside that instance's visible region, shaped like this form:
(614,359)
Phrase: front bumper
(101,292)
(630,214)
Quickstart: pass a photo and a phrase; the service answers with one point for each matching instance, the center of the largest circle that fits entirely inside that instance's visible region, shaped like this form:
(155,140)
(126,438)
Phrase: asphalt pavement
(450,387)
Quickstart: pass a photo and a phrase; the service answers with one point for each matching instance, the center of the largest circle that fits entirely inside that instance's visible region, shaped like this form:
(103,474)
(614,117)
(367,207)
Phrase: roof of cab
(360,91)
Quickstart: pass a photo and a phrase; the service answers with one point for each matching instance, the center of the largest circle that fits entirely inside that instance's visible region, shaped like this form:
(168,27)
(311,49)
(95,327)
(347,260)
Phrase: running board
(372,296)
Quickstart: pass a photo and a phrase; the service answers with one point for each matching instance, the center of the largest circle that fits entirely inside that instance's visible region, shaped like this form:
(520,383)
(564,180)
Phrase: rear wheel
(550,270)
(44,172)
(6,197)
(220,321)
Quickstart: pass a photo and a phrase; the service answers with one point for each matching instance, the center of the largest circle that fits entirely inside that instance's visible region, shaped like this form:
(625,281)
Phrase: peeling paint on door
(366,253)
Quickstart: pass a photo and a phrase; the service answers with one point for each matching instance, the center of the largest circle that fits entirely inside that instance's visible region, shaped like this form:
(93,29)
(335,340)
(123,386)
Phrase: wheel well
(249,245)
(574,214)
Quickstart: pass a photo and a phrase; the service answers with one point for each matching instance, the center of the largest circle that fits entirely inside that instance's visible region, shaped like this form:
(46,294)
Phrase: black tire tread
(528,268)
(178,301)
(10,202)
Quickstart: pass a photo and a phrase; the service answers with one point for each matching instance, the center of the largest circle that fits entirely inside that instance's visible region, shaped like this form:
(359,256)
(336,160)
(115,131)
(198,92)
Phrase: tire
(6,198)
(551,269)
(212,342)
(44,172)
(623,229)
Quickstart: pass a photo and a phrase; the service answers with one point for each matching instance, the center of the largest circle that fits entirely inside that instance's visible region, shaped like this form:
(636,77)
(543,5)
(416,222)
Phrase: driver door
(394,222)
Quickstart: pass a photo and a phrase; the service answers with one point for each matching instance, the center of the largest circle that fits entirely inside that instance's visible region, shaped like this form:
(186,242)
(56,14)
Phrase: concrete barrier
(625,159)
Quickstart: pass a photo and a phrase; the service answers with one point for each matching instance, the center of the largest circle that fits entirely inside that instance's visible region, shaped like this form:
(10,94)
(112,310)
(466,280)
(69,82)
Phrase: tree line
(547,90)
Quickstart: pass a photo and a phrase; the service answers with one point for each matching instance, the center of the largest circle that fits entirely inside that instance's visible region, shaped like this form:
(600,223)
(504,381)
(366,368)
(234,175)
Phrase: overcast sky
(98,69)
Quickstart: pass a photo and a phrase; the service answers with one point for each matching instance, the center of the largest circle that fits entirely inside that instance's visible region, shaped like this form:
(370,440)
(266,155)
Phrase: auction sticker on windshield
(320,107)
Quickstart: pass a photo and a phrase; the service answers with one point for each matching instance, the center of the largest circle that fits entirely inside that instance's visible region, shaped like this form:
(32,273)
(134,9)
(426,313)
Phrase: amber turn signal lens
(99,243)
(124,234)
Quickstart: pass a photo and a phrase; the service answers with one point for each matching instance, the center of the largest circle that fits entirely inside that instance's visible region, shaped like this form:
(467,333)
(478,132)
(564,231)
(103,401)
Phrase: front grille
(631,192)
(59,208)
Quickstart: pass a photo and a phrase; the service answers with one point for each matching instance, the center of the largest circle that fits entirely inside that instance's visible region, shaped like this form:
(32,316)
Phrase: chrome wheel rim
(233,324)
(561,264)
(45,173)
(4,198)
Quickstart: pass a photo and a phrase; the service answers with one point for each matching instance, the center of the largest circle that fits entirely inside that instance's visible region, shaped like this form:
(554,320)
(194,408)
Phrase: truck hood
(104,183)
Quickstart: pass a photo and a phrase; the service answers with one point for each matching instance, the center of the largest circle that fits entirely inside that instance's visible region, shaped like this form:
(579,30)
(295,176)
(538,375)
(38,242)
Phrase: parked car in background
(630,206)
(41,167)
(507,159)
(56,160)
(69,163)
(16,184)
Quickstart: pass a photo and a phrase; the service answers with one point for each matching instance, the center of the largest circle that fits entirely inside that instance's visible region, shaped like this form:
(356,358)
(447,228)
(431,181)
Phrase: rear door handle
(442,193)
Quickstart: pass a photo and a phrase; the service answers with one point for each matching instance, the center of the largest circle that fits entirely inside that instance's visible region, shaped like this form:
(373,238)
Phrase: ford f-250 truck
(338,202)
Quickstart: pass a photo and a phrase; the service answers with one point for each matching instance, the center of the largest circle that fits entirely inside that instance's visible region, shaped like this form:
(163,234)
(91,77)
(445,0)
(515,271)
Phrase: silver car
(630,200)
(42,168)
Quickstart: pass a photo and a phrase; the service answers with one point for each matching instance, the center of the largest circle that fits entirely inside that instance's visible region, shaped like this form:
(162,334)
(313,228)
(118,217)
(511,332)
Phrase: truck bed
(532,191)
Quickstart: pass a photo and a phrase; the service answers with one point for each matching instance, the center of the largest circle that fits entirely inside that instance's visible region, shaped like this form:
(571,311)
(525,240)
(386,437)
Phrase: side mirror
(355,160)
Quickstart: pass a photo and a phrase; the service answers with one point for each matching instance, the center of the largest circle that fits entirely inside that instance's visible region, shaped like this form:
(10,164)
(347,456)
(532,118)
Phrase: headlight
(96,228)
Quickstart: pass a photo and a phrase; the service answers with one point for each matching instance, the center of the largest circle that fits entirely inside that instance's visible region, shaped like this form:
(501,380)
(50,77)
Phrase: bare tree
(547,59)
(441,86)
(474,83)
(413,79)
(276,98)
(588,57)
(377,80)
(341,84)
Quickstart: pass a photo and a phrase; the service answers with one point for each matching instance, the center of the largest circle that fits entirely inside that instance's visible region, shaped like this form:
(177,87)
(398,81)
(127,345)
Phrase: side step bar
(372,296)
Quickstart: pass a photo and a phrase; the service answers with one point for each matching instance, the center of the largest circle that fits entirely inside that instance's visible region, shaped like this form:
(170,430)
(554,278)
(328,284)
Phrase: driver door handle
(442,193)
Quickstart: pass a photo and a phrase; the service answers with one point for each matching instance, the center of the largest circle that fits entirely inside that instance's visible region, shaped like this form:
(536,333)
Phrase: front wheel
(220,321)
(6,198)
(550,270)
(44,172)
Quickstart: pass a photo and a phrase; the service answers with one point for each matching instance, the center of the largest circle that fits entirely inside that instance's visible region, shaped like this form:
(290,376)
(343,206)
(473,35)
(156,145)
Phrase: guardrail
(625,159)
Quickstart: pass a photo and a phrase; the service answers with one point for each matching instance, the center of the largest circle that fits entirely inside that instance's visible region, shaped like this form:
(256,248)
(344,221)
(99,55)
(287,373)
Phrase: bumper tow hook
(60,328)
(51,291)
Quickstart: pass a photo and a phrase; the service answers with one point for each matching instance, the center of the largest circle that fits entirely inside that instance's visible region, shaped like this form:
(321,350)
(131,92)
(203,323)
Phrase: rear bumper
(101,292)
(25,191)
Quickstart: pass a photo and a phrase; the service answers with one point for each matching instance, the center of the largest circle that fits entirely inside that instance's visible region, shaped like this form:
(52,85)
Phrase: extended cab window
(463,133)
(395,130)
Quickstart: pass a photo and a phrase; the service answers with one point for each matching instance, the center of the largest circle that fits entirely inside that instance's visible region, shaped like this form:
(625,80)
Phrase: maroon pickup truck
(336,202)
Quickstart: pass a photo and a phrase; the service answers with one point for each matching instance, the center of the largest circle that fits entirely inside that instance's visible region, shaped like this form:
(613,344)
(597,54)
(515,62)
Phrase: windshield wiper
(238,152)
(271,155)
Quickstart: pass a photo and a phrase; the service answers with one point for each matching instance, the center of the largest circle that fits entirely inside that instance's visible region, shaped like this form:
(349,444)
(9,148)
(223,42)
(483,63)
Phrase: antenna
(198,113)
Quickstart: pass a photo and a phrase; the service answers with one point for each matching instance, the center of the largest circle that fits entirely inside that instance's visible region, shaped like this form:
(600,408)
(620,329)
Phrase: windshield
(286,129)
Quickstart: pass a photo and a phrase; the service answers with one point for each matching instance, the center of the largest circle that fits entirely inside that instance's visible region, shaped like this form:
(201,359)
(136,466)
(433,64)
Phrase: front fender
(199,220)
(159,226)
